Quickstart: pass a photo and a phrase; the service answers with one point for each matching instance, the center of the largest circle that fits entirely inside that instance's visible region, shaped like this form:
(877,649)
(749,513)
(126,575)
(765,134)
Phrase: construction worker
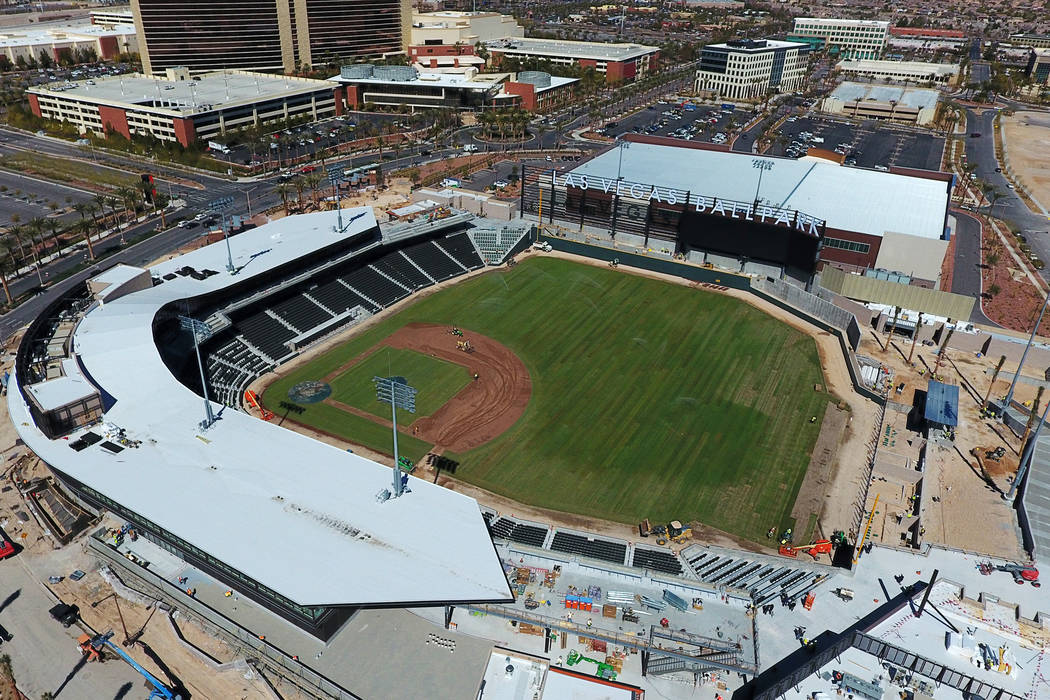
(228,593)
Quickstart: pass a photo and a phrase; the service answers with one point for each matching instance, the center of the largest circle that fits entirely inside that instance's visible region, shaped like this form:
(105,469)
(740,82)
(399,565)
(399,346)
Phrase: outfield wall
(796,301)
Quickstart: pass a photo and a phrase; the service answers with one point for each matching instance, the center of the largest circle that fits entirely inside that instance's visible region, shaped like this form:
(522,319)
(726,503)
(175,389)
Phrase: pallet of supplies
(526,628)
(609,611)
(616,662)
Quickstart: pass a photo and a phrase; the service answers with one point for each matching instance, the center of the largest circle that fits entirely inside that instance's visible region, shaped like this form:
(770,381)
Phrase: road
(966,274)
(980,151)
(44,655)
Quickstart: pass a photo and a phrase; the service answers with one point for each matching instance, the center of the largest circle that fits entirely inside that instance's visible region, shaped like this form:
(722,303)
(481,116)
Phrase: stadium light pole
(1024,355)
(619,178)
(220,206)
(335,176)
(762,165)
(1026,458)
(200,331)
(396,392)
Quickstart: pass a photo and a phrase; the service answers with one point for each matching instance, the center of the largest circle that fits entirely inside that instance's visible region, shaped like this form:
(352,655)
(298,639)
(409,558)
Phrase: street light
(396,392)
(200,331)
(248,194)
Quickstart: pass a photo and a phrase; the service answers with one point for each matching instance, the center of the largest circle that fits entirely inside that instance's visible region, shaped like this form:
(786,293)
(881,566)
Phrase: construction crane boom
(94,646)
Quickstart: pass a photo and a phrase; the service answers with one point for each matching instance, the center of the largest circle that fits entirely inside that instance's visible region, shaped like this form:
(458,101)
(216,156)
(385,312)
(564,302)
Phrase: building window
(852,246)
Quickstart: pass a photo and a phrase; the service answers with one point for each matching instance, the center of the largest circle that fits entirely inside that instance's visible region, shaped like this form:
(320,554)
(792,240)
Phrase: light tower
(201,332)
(396,392)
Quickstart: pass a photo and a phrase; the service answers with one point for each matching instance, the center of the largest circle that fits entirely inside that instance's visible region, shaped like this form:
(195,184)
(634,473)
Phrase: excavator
(817,548)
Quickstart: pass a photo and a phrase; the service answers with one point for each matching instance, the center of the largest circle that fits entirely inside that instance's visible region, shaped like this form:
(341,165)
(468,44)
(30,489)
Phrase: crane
(93,647)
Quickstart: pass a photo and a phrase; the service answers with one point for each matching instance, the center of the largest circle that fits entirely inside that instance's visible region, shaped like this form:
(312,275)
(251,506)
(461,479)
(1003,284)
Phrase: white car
(500,184)
(200,217)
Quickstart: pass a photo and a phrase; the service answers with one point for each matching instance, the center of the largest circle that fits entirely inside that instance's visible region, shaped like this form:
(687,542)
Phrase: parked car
(500,184)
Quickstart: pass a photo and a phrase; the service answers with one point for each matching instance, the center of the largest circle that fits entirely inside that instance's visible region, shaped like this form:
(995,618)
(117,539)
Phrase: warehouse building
(1035,41)
(748,69)
(177,108)
(617,62)
(901,71)
(849,38)
(107,41)
(266,35)
(111,16)
(898,104)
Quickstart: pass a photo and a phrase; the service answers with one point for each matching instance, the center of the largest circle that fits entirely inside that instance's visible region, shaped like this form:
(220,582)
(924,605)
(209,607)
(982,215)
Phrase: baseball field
(599,393)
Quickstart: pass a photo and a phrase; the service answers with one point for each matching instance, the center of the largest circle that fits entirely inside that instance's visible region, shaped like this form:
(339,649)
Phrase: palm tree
(7,265)
(283,189)
(84,208)
(312,180)
(36,233)
(52,226)
(299,184)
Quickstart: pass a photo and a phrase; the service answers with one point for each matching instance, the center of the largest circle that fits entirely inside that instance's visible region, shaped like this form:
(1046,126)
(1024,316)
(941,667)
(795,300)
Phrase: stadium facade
(107,392)
(698,200)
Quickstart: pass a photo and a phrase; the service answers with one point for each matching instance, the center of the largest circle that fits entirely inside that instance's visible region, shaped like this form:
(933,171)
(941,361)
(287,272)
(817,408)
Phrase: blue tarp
(942,404)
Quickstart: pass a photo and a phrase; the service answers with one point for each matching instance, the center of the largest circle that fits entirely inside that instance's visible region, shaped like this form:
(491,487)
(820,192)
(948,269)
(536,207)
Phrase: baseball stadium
(240,407)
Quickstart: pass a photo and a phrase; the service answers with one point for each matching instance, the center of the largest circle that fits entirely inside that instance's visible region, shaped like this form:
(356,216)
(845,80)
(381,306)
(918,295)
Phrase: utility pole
(893,327)
(1026,456)
(914,338)
(995,375)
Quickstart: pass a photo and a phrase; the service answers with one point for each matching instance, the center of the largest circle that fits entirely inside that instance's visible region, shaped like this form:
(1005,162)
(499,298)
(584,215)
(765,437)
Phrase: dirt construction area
(1027,136)
(482,410)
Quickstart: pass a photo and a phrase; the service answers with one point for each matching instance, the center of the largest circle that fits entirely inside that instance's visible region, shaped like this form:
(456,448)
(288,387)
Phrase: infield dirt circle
(483,409)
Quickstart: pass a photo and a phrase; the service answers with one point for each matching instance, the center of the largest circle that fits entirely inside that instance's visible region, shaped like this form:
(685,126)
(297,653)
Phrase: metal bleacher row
(506,528)
(260,339)
(766,578)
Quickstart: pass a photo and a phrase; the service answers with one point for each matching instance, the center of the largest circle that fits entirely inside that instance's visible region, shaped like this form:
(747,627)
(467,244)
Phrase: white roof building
(294,515)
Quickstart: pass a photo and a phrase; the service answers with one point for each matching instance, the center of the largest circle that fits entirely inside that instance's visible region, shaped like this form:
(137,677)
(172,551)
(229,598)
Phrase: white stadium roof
(848,199)
(299,516)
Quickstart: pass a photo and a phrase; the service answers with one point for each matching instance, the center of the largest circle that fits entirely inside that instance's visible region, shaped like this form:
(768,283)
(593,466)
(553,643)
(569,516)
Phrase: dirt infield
(483,409)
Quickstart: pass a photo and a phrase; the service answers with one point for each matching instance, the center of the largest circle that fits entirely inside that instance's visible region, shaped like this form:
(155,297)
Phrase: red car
(308,169)
(7,548)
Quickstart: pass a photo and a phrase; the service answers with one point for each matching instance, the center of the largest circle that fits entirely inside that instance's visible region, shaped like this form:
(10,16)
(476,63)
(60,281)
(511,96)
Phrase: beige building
(747,69)
(848,38)
(890,102)
(466,28)
(267,35)
(901,71)
(107,41)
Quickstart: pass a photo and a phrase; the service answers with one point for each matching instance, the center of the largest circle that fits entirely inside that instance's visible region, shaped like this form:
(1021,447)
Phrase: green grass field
(437,381)
(649,399)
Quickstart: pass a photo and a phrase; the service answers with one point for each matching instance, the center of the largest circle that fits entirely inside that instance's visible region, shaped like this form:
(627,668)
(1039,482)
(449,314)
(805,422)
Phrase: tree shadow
(76,669)
(10,599)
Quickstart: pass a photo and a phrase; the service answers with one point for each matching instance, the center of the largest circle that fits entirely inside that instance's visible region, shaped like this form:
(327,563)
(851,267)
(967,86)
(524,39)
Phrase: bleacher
(234,358)
(503,528)
(374,286)
(301,313)
(657,560)
(395,266)
(593,547)
(495,242)
(766,578)
(432,259)
(338,297)
(460,247)
(267,334)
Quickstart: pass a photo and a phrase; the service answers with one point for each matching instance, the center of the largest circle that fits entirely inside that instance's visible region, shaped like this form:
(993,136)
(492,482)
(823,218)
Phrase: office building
(467,28)
(1035,41)
(1039,66)
(175,108)
(901,71)
(395,86)
(747,69)
(849,38)
(266,35)
(617,62)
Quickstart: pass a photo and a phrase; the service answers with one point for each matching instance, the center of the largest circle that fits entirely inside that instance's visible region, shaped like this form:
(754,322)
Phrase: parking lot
(700,123)
(29,198)
(310,138)
(866,145)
